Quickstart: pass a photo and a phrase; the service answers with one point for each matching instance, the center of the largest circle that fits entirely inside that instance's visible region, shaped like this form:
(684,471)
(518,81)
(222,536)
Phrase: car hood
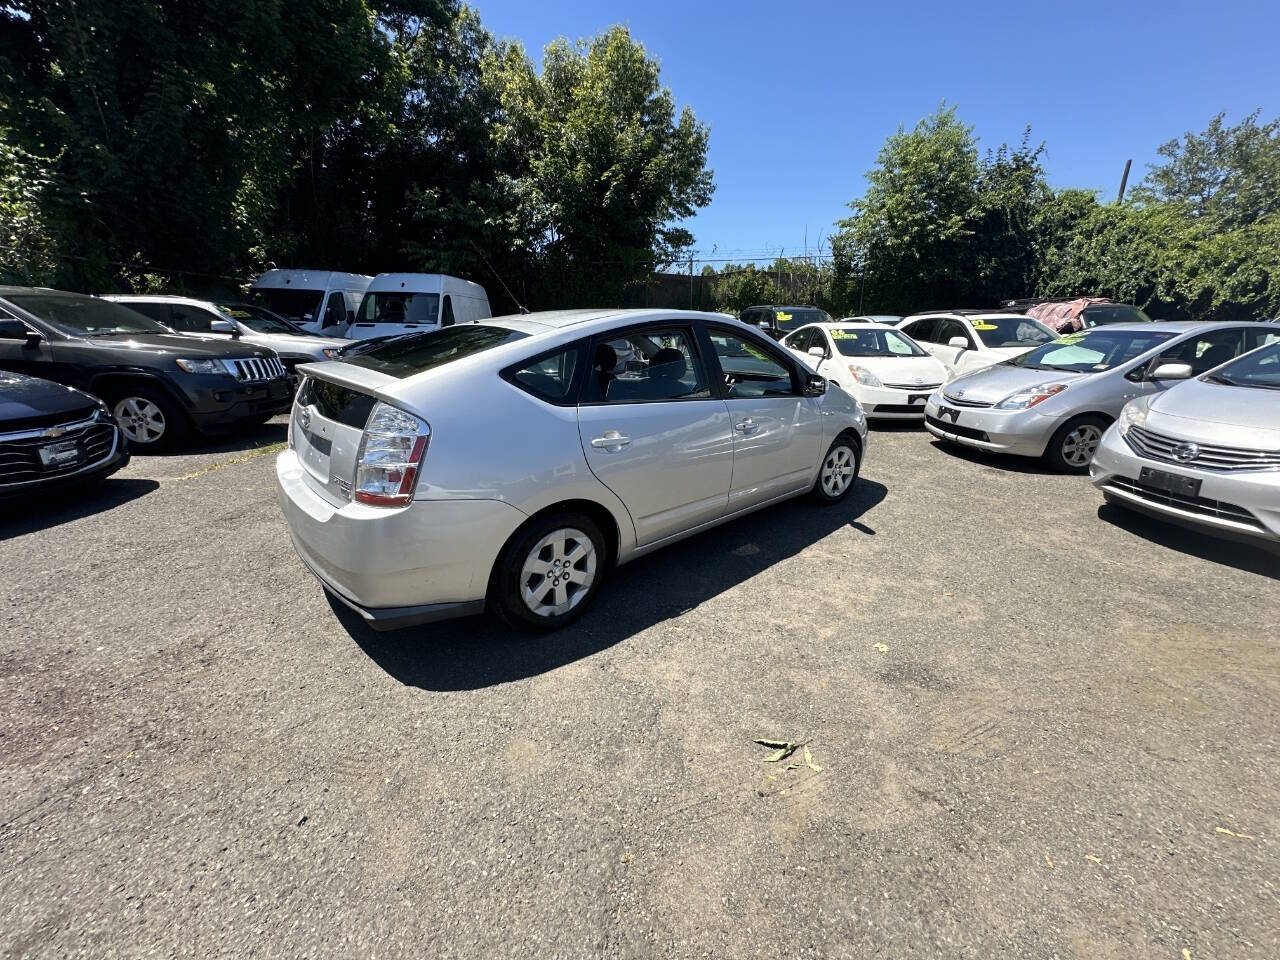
(1218,414)
(902,370)
(178,345)
(993,384)
(291,343)
(25,399)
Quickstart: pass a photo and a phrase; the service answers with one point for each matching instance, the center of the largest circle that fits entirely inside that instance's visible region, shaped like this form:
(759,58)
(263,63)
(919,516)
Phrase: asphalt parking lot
(1044,729)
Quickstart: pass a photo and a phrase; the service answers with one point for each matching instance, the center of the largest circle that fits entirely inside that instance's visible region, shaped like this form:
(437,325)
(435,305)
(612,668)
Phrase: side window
(1204,352)
(922,329)
(446,312)
(655,363)
(549,377)
(952,328)
(1261,338)
(188,319)
(801,340)
(335,311)
(159,312)
(749,369)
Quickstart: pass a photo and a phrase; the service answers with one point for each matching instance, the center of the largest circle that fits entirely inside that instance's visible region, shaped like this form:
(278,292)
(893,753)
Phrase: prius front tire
(549,572)
(839,470)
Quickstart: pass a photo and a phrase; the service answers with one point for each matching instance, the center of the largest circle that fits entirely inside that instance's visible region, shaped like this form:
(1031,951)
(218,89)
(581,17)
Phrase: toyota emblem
(304,418)
(918,380)
(958,393)
(1186,452)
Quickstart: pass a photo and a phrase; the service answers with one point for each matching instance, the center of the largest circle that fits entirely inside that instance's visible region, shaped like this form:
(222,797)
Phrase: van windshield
(413,353)
(300,306)
(399,307)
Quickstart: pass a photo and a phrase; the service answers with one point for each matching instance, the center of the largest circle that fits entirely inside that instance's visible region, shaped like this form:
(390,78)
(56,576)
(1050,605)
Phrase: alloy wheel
(1079,446)
(837,471)
(558,572)
(141,419)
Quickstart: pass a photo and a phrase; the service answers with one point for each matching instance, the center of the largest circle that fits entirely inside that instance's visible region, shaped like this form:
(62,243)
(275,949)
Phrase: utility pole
(1124,180)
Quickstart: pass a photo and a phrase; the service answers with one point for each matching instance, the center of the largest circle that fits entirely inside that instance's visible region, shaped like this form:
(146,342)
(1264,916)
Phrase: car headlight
(1024,399)
(202,366)
(1134,414)
(864,376)
(333,353)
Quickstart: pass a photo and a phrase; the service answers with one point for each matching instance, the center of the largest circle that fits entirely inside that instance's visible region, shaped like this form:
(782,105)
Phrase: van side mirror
(17,330)
(960,342)
(1172,371)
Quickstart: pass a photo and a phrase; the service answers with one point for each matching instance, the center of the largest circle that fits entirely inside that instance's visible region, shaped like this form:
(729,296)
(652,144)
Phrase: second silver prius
(1057,400)
(510,462)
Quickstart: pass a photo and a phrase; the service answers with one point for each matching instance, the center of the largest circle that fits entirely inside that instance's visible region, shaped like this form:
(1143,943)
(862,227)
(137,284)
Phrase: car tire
(1073,445)
(838,472)
(549,572)
(149,417)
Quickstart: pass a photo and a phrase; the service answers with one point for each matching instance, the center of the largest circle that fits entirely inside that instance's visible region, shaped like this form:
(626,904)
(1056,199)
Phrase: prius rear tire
(548,573)
(838,473)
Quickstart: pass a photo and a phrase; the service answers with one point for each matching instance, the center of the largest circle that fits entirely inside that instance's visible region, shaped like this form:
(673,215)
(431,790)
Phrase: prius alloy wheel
(548,572)
(1072,448)
(839,471)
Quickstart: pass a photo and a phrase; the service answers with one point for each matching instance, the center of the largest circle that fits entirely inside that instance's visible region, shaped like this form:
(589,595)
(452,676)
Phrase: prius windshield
(862,342)
(1091,351)
(1260,369)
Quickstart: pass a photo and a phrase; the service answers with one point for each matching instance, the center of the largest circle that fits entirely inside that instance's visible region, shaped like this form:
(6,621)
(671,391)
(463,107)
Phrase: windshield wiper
(1219,378)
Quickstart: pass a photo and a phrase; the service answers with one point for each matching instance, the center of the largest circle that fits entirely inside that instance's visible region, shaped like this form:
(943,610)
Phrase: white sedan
(887,371)
(967,340)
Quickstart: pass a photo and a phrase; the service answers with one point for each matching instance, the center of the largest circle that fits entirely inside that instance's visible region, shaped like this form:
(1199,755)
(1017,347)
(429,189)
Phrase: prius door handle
(612,441)
(746,426)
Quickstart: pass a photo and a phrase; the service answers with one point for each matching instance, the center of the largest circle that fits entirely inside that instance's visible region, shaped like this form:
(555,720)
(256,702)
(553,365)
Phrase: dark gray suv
(160,385)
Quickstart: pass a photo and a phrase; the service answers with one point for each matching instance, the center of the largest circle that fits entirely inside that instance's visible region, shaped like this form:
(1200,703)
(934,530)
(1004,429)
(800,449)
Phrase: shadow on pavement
(995,461)
(1240,554)
(479,651)
(239,439)
(59,505)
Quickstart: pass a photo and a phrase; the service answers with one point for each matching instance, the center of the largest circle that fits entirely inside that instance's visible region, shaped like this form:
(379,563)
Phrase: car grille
(1201,506)
(1157,446)
(913,387)
(965,403)
(20,457)
(255,368)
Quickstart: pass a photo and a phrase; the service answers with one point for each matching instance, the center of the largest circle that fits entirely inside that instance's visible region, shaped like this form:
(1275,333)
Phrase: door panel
(777,433)
(674,472)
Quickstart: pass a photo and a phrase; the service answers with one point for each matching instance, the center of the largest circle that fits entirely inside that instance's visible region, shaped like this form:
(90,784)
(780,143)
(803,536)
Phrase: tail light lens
(390,457)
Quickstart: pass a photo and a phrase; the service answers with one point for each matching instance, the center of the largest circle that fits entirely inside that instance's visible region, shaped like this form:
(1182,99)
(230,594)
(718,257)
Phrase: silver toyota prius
(1057,400)
(509,463)
(1205,453)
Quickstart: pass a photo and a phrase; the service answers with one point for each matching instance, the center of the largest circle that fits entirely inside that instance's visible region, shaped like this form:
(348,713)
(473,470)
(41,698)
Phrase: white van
(412,302)
(319,301)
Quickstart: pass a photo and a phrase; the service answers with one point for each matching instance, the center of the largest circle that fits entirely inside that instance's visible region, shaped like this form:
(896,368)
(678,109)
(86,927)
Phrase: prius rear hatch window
(406,355)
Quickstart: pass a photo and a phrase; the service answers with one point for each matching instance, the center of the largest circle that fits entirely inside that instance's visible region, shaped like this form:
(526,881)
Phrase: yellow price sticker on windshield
(1070,340)
(983,325)
(843,335)
(783,317)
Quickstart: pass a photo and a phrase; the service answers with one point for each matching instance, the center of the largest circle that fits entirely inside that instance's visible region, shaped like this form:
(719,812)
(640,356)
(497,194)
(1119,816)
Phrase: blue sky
(800,97)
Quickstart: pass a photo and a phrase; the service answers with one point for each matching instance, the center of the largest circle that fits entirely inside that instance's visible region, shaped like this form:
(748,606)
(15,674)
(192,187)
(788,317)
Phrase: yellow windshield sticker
(983,325)
(783,317)
(1070,340)
(843,335)
(236,313)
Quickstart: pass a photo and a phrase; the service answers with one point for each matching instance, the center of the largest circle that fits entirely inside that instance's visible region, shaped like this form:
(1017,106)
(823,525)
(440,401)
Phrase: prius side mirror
(818,352)
(224,326)
(960,342)
(1172,371)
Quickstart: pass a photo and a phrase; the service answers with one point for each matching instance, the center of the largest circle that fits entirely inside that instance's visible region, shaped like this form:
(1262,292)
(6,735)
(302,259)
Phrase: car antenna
(519,306)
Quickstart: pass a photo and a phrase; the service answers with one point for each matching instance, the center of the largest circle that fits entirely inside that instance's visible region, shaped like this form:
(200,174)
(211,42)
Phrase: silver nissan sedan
(1057,400)
(508,463)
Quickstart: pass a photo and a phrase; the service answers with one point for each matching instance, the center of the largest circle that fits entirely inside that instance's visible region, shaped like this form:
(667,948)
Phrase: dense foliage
(169,143)
(189,143)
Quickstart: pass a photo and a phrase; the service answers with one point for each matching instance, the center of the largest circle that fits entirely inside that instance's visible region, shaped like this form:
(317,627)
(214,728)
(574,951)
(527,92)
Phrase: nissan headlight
(1134,414)
(202,366)
(864,376)
(1025,399)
